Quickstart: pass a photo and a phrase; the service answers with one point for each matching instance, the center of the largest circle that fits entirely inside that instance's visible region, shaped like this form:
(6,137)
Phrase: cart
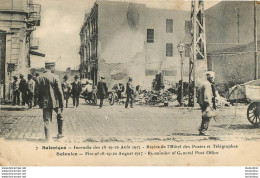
(89,93)
(253,110)
(248,92)
(113,98)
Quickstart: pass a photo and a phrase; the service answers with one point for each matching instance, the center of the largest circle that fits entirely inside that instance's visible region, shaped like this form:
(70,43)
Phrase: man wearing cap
(31,90)
(206,100)
(76,91)
(16,92)
(129,93)
(102,90)
(23,89)
(50,97)
(66,89)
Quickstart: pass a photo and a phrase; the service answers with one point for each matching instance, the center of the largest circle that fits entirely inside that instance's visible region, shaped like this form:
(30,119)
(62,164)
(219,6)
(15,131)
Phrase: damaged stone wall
(123,50)
(121,42)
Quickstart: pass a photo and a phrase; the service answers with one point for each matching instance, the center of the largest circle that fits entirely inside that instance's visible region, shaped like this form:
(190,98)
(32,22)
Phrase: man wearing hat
(102,90)
(50,97)
(23,89)
(129,93)
(206,100)
(16,92)
(66,89)
(76,91)
(31,90)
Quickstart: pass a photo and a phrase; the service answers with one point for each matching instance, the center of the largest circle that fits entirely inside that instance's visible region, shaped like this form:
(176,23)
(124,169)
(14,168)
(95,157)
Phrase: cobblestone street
(115,123)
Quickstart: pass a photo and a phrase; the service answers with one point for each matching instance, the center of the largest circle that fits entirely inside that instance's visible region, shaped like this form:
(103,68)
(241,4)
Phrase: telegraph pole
(255,39)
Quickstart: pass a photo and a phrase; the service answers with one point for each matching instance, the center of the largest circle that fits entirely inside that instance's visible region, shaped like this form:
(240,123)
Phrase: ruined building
(18,20)
(120,39)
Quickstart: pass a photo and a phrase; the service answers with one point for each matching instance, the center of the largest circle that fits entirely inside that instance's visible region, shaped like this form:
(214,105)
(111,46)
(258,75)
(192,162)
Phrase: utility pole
(255,40)
(198,55)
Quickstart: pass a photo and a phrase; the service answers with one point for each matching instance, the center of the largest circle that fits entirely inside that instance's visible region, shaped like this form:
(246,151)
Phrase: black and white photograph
(129,83)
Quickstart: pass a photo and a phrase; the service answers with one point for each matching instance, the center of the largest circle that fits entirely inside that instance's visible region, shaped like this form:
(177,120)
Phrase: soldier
(129,93)
(50,97)
(76,91)
(102,90)
(66,89)
(206,99)
(31,90)
(23,89)
(16,92)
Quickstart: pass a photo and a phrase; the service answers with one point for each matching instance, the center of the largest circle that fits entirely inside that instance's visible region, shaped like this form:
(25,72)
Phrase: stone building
(230,40)
(121,39)
(18,20)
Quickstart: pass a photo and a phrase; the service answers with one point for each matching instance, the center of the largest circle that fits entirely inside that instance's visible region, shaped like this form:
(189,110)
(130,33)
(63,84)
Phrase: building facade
(18,20)
(230,40)
(120,39)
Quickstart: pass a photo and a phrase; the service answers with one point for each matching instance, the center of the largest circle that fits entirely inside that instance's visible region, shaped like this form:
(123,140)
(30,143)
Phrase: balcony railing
(34,16)
(34,44)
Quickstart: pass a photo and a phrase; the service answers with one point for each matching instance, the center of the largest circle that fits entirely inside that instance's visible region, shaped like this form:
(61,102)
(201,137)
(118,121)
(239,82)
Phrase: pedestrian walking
(50,99)
(66,88)
(30,90)
(16,92)
(206,100)
(129,93)
(23,89)
(76,91)
(102,91)
(35,78)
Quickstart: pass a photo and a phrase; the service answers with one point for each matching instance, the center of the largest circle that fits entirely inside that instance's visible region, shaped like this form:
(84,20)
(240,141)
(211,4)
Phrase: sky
(60,26)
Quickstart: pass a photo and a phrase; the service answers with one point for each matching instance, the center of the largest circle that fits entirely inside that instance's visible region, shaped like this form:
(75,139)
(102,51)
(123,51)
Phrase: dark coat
(76,88)
(102,88)
(50,92)
(129,88)
(23,86)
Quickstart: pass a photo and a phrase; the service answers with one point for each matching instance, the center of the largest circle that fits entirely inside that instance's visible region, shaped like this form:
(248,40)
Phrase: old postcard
(129,83)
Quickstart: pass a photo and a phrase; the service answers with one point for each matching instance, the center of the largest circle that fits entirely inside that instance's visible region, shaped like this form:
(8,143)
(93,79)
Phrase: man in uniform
(16,93)
(129,93)
(66,89)
(50,97)
(102,90)
(31,90)
(76,91)
(23,89)
(206,100)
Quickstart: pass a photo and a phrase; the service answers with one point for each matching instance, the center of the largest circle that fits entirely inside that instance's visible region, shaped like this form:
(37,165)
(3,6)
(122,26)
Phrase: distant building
(18,20)
(230,40)
(120,39)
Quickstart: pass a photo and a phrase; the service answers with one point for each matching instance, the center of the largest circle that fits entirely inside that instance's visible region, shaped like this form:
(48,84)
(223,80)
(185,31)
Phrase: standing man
(102,91)
(66,89)
(23,89)
(16,92)
(206,100)
(129,93)
(76,90)
(35,78)
(50,98)
(31,90)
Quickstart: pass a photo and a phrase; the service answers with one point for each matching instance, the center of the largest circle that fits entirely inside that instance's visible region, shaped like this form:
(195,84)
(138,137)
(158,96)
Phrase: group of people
(51,93)
(102,91)
(26,90)
(73,89)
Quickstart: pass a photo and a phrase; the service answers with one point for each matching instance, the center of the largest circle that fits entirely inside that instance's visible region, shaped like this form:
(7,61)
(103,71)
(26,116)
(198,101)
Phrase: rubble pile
(221,101)
(155,97)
